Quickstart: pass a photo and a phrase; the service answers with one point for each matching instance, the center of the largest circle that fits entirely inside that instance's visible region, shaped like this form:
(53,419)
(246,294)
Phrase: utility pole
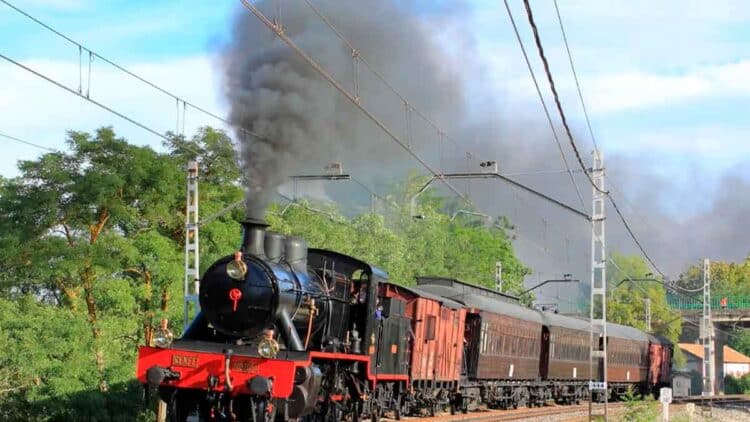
(707,333)
(598,298)
(499,276)
(192,256)
(647,310)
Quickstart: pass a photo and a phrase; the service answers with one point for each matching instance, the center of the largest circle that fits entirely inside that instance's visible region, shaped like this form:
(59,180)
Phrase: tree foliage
(727,278)
(740,341)
(627,305)
(91,258)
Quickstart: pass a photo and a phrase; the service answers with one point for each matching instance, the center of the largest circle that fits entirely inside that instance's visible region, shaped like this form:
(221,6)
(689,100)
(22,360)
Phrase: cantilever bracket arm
(495,175)
(566,280)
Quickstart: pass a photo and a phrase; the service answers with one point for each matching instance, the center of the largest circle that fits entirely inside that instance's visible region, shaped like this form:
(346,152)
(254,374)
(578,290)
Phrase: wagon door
(471,345)
(544,360)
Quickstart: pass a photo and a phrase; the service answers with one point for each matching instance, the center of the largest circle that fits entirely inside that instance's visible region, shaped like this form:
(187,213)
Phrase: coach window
(430,328)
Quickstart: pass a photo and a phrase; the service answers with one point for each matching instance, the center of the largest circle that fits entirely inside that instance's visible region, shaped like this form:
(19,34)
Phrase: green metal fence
(732,302)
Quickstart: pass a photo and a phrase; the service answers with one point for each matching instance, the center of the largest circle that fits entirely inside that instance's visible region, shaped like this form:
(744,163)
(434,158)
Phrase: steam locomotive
(288,332)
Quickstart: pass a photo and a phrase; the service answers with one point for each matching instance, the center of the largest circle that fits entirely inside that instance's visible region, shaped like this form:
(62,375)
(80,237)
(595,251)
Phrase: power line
(544,104)
(358,59)
(13,138)
(276,27)
(74,92)
(153,85)
(354,100)
(92,53)
(357,56)
(551,81)
(696,324)
(575,76)
(632,235)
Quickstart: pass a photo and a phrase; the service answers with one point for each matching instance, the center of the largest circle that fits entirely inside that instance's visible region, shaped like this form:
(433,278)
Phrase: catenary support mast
(707,333)
(598,298)
(192,255)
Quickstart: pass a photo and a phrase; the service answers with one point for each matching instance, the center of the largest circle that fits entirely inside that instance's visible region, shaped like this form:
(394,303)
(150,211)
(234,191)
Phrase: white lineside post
(598,297)
(192,255)
(707,333)
(499,276)
(647,310)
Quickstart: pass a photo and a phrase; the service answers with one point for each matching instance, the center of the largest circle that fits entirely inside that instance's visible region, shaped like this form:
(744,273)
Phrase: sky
(667,84)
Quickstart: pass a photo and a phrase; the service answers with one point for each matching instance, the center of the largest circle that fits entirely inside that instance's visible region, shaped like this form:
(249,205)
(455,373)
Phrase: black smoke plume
(433,61)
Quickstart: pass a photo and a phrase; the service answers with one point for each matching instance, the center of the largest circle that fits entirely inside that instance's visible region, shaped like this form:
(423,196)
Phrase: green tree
(91,259)
(740,340)
(92,239)
(727,278)
(407,248)
(627,305)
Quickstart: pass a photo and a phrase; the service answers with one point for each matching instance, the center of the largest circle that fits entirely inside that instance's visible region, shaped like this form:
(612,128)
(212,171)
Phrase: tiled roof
(730,355)
(733,356)
(693,349)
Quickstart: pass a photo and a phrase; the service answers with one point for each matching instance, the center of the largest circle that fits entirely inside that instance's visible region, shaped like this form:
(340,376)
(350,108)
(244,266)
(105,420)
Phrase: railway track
(737,401)
(727,398)
(510,415)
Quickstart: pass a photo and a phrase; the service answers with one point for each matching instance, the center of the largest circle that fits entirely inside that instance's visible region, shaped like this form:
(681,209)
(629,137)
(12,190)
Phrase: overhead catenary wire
(633,236)
(130,73)
(544,103)
(322,72)
(410,108)
(278,29)
(363,60)
(555,95)
(691,322)
(575,76)
(13,138)
(74,92)
(179,100)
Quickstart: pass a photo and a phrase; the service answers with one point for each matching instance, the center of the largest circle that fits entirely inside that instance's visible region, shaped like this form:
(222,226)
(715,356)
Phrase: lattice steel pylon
(598,298)
(707,333)
(192,253)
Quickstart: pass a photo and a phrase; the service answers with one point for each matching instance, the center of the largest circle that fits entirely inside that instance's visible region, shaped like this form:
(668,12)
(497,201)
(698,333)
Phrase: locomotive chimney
(254,231)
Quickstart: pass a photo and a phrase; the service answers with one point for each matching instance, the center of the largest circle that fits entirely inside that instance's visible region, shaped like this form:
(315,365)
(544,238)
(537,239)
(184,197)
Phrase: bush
(638,410)
(733,385)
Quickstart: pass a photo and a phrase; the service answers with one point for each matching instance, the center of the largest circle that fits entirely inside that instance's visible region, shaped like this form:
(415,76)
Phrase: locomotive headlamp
(163,336)
(268,347)
(237,269)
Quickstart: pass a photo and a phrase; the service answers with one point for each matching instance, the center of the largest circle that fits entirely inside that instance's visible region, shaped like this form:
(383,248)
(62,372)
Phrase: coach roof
(483,303)
(557,320)
(432,296)
(625,332)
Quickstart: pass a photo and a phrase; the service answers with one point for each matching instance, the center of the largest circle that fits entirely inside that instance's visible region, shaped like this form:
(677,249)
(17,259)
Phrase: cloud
(638,89)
